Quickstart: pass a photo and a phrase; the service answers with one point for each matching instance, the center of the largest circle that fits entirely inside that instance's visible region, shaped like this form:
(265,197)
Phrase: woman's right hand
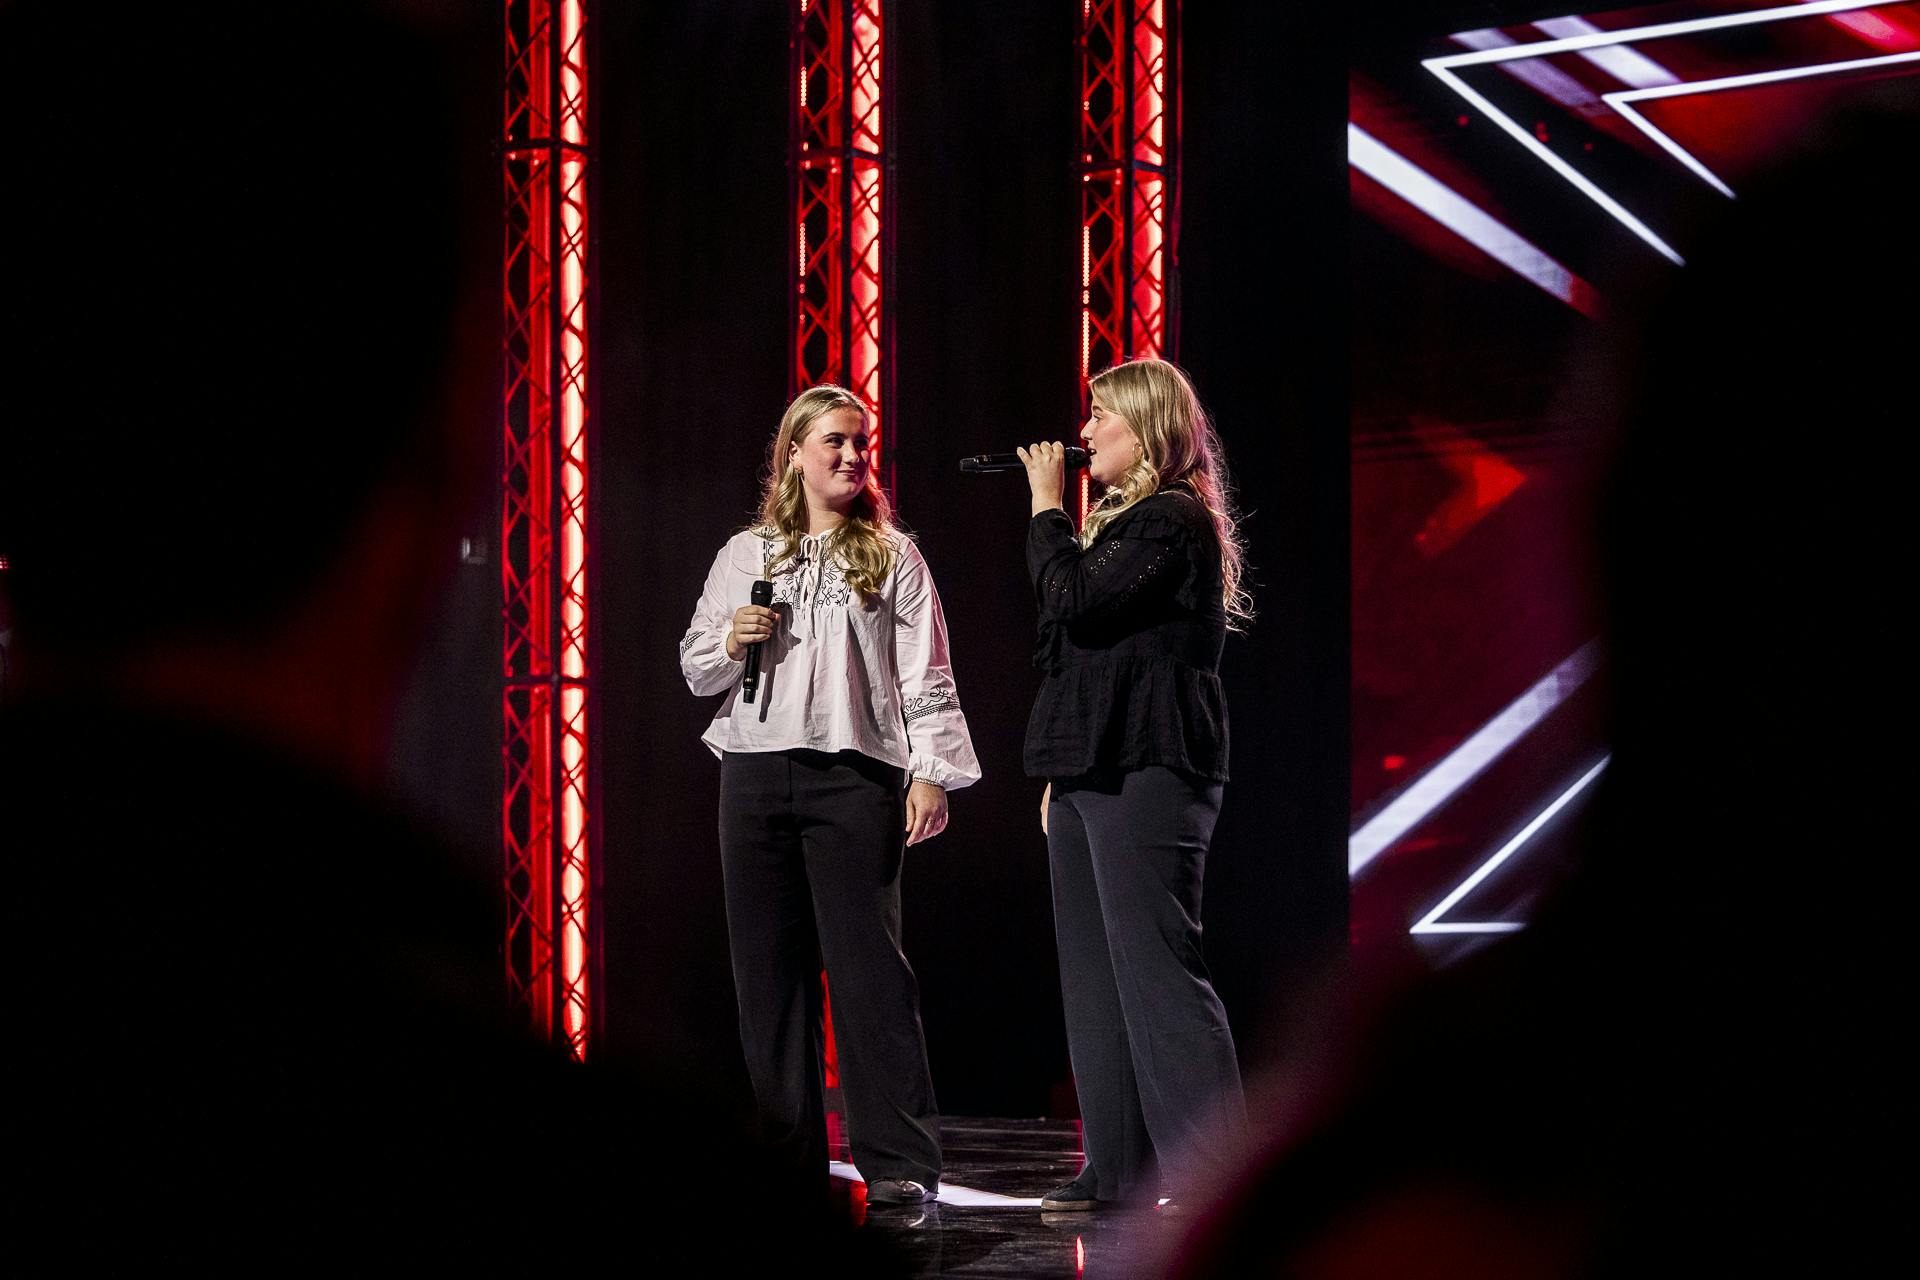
(1046,463)
(1046,798)
(752,623)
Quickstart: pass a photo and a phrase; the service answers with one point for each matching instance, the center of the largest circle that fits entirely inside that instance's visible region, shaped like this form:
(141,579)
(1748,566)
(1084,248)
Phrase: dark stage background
(1485,393)
(690,351)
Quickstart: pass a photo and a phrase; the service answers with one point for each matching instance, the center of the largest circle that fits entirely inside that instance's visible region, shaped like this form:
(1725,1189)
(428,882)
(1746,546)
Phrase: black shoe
(897,1191)
(1075,1197)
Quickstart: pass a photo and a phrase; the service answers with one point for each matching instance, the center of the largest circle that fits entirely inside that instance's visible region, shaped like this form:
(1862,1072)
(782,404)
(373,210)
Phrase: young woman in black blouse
(1130,731)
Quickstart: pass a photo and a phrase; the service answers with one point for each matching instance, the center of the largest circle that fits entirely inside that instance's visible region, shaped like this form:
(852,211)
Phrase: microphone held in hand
(981,464)
(750,680)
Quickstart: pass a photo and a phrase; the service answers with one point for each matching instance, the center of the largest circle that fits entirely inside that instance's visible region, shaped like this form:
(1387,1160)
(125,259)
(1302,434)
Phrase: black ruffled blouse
(1131,630)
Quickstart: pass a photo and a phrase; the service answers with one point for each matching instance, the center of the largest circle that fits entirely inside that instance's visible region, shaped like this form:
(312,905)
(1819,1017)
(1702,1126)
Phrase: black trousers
(1153,1058)
(811,845)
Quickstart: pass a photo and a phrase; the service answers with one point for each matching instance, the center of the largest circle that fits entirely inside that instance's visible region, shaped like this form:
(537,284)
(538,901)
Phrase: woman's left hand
(1046,474)
(926,811)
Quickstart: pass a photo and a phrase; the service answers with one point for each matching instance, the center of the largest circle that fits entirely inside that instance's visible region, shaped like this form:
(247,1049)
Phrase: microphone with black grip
(750,681)
(981,464)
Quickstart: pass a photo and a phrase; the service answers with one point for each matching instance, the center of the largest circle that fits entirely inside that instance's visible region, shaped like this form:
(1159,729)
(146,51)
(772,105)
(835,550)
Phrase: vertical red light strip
(545,813)
(575,844)
(1148,214)
(1129,157)
(865,320)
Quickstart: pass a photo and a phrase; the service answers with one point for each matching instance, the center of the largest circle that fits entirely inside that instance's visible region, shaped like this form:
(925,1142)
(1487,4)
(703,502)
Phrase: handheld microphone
(750,681)
(981,464)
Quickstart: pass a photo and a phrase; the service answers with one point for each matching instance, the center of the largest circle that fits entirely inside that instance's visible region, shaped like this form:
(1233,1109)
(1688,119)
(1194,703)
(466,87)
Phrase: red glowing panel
(1148,327)
(866,321)
(1891,30)
(840,326)
(1723,130)
(865,76)
(1150,83)
(575,855)
(546,829)
(1128,180)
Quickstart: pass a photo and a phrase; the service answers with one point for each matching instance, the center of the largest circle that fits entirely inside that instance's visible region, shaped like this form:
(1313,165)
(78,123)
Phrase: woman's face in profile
(833,458)
(1110,439)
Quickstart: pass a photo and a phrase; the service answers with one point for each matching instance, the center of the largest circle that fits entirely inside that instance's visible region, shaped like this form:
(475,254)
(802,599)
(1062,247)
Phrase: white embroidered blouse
(839,673)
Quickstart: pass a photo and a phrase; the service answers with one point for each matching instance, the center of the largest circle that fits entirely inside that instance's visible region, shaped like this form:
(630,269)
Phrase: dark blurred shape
(232,237)
(257,1017)
(1689,1064)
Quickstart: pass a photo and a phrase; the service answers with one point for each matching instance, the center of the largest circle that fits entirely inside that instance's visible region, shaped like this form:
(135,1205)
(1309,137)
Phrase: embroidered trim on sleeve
(928,703)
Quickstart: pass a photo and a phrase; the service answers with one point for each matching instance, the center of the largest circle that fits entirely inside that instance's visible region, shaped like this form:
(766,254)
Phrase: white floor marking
(950,1192)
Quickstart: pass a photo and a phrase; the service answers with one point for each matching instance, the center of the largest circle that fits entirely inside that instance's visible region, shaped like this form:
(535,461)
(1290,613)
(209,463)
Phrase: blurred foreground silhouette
(259,1016)
(1689,1062)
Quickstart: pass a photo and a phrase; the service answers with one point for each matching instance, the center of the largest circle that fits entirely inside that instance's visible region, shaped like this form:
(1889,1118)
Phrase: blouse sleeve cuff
(705,664)
(940,773)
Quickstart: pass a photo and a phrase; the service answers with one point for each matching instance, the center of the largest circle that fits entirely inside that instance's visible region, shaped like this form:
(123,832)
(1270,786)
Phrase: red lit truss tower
(1129,181)
(547,833)
(840,167)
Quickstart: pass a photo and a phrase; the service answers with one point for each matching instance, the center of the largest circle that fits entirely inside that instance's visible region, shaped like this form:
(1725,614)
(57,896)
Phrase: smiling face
(833,459)
(1111,440)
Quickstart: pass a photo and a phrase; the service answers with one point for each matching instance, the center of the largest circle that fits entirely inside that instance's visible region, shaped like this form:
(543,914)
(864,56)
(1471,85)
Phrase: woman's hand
(752,623)
(926,811)
(1046,798)
(1046,473)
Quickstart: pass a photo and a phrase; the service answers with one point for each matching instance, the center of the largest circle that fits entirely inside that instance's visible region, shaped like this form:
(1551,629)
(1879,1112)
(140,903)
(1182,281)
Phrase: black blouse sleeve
(1137,563)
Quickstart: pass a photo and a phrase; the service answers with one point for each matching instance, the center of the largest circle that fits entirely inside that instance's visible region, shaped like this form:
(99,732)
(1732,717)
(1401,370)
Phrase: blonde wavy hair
(1178,446)
(861,542)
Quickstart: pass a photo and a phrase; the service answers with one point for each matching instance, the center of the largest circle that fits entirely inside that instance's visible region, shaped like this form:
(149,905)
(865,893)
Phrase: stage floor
(987,1221)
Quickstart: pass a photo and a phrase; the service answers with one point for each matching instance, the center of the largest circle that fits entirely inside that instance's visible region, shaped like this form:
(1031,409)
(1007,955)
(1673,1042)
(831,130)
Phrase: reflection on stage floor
(987,1221)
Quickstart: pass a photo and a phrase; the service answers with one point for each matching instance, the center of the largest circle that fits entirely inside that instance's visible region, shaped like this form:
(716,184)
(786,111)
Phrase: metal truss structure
(546,829)
(840,170)
(1129,181)
(841,167)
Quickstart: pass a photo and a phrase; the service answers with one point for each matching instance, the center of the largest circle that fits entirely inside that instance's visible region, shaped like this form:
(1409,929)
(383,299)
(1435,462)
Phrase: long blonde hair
(1177,447)
(861,542)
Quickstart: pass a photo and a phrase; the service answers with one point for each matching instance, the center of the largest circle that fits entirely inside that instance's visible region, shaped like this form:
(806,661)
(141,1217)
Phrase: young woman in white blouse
(844,758)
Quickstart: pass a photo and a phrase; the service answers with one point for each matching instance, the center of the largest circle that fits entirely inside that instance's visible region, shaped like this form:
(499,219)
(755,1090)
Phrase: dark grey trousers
(1153,1058)
(811,845)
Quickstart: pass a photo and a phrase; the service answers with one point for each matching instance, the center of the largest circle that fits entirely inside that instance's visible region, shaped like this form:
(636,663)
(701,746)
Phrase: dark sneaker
(897,1191)
(1075,1197)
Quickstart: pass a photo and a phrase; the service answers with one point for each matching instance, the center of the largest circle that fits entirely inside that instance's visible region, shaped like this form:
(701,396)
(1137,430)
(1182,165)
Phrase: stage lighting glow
(865,350)
(1434,788)
(546,813)
(1622,101)
(1580,182)
(1445,68)
(1129,162)
(1662,30)
(575,848)
(1465,219)
(1628,66)
(1543,78)
(1431,922)
(839,327)
(1874,29)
